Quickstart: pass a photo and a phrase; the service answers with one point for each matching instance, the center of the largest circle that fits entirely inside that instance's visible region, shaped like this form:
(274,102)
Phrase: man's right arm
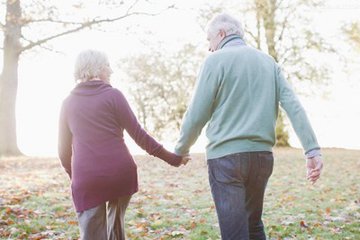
(200,109)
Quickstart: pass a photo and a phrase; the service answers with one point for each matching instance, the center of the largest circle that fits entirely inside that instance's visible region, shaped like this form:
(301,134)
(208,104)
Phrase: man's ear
(222,33)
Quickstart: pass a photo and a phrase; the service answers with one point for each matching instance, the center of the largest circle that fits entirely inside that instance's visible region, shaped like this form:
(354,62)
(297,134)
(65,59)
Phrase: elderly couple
(238,93)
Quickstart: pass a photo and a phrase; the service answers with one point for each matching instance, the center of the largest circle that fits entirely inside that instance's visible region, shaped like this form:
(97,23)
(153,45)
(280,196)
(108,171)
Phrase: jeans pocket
(266,160)
(226,169)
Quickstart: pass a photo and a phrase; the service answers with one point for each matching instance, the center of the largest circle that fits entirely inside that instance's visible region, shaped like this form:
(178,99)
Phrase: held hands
(185,159)
(172,158)
(314,166)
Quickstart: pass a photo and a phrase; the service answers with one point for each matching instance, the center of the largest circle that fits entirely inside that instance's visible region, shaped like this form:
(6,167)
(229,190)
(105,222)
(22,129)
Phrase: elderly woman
(93,152)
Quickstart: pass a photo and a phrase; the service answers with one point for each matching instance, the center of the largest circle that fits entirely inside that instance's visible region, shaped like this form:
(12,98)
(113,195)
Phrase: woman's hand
(185,159)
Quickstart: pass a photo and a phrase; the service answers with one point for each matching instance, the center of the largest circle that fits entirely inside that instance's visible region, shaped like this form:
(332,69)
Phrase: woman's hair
(226,23)
(89,64)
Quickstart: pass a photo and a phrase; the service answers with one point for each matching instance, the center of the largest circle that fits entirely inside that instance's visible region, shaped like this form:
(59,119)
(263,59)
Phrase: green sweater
(238,93)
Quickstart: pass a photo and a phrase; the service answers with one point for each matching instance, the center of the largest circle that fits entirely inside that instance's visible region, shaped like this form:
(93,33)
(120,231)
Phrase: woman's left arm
(129,122)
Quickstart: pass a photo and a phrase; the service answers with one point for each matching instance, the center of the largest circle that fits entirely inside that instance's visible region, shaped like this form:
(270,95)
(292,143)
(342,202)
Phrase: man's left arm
(301,124)
(314,165)
(296,113)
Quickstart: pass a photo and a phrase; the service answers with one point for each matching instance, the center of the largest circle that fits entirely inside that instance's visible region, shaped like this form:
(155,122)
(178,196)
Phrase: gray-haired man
(238,94)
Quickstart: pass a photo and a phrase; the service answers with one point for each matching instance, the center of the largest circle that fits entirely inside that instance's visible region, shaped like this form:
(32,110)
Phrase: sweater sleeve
(200,109)
(65,142)
(296,113)
(129,122)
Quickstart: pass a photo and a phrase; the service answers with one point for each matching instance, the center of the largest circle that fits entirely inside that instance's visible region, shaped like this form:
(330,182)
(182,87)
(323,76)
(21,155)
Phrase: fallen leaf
(72,222)
(303,224)
(328,211)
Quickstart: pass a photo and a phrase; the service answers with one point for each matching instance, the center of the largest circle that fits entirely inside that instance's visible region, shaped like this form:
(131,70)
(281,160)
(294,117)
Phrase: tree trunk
(9,79)
(258,25)
(12,50)
(270,27)
(267,10)
(282,136)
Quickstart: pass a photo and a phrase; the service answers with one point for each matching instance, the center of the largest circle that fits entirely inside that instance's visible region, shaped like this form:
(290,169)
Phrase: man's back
(238,93)
(245,105)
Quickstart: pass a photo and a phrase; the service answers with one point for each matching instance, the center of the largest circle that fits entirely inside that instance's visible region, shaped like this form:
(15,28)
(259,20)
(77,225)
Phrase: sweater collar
(231,40)
(91,88)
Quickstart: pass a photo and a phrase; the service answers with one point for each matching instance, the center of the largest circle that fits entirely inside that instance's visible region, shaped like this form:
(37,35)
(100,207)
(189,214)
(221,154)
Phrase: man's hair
(89,64)
(227,23)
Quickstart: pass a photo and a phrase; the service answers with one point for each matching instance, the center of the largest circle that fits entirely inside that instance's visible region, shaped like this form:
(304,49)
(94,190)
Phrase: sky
(45,78)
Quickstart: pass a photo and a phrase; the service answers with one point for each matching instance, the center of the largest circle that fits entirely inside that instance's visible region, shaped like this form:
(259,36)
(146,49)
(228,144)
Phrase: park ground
(175,203)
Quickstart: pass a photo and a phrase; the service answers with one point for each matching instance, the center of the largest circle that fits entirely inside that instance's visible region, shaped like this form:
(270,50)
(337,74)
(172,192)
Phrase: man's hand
(185,159)
(314,166)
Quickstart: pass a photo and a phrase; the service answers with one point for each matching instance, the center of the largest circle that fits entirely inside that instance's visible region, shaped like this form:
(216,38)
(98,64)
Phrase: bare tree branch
(44,47)
(285,57)
(251,35)
(284,25)
(132,6)
(42,41)
(81,27)
(278,4)
(49,49)
(50,20)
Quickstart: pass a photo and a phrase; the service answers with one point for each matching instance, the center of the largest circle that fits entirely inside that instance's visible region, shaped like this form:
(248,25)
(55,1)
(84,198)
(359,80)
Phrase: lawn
(175,203)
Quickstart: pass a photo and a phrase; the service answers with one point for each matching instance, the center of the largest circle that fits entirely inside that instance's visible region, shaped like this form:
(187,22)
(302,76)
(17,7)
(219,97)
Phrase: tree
(284,32)
(352,31)
(161,85)
(30,24)
(273,26)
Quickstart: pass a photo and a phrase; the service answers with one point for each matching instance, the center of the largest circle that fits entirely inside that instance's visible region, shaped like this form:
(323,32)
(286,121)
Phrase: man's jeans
(238,183)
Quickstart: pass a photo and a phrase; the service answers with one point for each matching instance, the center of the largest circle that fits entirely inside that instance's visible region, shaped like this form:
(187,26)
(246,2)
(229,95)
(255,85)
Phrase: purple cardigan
(92,148)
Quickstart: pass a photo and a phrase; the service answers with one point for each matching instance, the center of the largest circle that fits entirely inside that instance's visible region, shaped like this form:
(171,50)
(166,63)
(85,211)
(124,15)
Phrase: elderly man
(238,94)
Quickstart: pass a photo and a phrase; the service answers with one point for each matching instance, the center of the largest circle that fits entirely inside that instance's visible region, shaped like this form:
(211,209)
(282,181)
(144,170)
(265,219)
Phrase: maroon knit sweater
(92,148)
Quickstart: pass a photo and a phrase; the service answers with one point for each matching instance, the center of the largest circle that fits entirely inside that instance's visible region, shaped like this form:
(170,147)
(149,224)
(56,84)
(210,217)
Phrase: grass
(175,203)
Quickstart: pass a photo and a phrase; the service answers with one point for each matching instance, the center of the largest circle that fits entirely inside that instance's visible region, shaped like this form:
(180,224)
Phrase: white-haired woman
(93,152)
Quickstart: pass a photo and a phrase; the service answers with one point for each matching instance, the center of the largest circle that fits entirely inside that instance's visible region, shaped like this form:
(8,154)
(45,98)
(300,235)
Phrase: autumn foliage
(175,203)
